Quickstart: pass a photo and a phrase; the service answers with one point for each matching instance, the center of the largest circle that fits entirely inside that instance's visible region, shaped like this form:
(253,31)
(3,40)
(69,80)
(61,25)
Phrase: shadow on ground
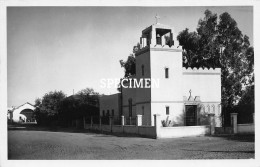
(238,137)
(34,127)
(250,152)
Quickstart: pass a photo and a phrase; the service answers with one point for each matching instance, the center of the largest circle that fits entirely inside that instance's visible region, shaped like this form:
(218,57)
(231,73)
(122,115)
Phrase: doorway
(190,115)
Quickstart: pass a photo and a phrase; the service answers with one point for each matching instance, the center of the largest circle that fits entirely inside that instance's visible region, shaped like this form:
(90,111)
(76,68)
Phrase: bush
(167,122)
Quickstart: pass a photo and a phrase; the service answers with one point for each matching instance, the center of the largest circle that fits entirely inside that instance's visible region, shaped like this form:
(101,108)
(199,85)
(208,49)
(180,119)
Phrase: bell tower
(160,58)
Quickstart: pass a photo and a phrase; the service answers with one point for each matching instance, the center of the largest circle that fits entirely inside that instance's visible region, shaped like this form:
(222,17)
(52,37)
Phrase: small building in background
(21,114)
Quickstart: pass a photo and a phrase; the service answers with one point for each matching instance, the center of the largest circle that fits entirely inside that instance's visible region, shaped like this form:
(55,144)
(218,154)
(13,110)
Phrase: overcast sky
(66,48)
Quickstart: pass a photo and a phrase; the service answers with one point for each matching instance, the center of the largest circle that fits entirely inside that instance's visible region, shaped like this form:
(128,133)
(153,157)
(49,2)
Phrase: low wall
(245,128)
(153,131)
(148,131)
(183,131)
(106,128)
(223,130)
(87,126)
(130,129)
(117,129)
(96,127)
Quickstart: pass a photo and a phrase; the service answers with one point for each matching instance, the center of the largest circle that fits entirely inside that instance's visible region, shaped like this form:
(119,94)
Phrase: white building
(22,113)
(186,96)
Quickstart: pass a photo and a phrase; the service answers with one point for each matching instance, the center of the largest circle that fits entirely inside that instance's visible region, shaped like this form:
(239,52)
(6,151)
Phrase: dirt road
(31,144)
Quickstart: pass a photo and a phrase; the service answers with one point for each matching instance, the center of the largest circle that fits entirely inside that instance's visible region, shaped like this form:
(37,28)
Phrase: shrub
(167,122)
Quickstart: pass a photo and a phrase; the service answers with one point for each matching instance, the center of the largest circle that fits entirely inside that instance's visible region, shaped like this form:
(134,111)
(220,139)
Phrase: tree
(48,107)
(88,96)
(129,64)
(84,103)
(220,43)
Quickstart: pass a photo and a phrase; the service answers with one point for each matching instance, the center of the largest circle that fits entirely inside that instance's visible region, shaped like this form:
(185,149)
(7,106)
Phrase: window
(158,39)
(142,70)
(113,113)
(130,107)
(103,112)
(142,110)
(166,72)
(167,110)
(107,112)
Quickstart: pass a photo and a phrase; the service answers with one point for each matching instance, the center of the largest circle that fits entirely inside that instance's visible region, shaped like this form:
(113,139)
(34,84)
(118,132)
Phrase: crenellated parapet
(159,37)
(201,71)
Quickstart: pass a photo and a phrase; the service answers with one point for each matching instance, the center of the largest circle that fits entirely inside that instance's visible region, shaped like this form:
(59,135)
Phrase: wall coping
(204,126)
(190,70)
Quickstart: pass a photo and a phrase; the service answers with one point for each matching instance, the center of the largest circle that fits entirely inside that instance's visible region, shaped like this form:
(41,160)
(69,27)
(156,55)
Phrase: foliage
(47,108)
(56,108)
(74,107)
(167,122)
(88,96)
(129,64)
(220,43)
(248,96)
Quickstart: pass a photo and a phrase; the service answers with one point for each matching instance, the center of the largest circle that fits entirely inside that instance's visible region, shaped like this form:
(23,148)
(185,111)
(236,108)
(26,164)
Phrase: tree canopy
(218,42)
(129,64)
(56,108)
(48,107)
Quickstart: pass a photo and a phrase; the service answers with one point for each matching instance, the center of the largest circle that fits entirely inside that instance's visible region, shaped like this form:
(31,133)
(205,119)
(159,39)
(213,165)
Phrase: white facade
(17,116)
(185,96)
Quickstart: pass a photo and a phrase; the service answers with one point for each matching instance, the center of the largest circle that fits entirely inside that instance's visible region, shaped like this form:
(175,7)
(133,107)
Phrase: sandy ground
(44,144)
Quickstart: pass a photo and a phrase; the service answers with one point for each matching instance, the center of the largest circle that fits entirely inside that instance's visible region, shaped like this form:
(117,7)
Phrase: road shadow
(238,137)
(30,127)
(217,151)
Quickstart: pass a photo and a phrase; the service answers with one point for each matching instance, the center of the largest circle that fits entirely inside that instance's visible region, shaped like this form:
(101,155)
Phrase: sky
(71,48)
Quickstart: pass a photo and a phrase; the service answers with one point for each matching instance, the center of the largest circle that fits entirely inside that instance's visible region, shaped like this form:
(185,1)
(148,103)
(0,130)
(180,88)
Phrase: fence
(116,121)
(127,126)
(236,128)
(130,120)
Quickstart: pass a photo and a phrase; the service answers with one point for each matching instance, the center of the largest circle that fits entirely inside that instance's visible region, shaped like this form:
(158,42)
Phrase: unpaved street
(36,144)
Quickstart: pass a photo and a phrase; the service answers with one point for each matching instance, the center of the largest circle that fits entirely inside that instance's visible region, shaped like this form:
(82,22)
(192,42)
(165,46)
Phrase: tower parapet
(159,36)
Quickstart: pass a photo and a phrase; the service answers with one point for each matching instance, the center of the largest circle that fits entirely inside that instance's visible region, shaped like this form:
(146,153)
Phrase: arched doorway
(29,115)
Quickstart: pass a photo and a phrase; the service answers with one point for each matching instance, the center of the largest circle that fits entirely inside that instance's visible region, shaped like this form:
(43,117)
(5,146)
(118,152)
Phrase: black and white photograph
(99,81)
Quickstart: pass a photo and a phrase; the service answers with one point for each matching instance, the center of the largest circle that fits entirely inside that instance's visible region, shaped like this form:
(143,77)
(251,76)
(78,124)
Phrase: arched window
(213,108)
(208,109)
(219,109)
(142,110)
(202,109)
(142,70)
